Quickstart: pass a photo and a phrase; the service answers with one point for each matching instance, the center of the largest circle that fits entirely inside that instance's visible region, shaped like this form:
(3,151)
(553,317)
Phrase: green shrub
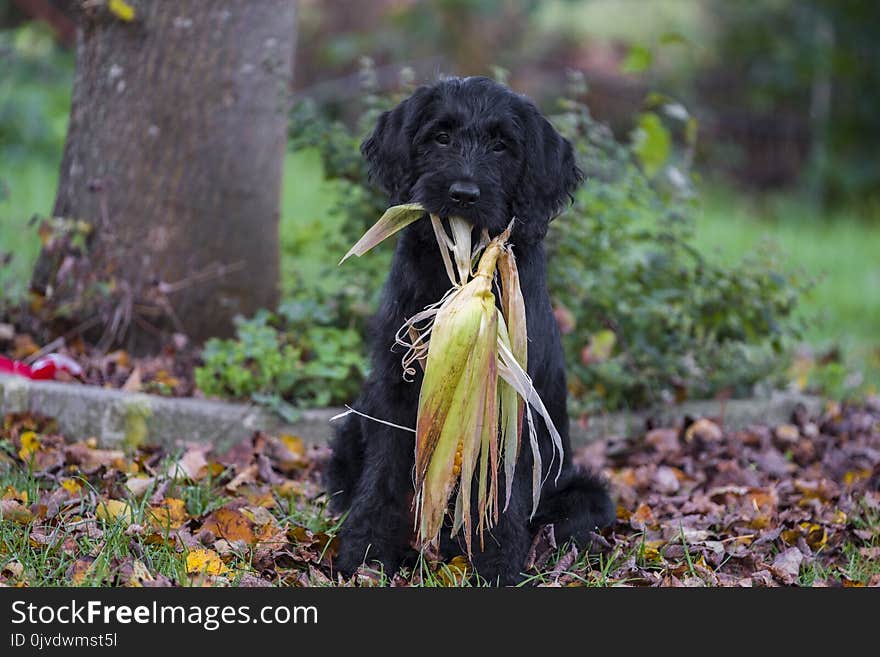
(647,317)
(287,360)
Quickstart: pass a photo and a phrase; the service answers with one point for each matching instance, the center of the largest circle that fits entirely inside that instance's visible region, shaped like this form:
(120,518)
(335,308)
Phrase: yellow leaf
(11,493)
(171,514)
(815,535)
(121,9)
(454,573)
(854,476)
(205,561)
(790,536)
(110,510)
(30,444)
(72,486)
(293,443)
(651,554)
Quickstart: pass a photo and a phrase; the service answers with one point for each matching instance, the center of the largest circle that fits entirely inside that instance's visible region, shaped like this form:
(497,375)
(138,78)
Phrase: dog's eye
(499,147)
(442,138)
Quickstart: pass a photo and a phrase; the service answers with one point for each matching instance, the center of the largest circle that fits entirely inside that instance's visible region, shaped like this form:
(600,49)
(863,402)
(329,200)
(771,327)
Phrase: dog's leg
(379,524)
(579,505)
(346,465)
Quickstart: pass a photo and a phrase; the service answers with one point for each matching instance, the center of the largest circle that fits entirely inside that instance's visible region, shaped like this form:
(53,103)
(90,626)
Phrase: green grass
(856,566)
(840,252)
(30,186)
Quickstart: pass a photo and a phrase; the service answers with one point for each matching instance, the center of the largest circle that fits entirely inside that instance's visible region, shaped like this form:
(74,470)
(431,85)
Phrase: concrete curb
(122,419)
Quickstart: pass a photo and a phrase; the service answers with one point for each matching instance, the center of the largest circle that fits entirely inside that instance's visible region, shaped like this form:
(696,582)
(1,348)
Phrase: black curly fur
(524,169)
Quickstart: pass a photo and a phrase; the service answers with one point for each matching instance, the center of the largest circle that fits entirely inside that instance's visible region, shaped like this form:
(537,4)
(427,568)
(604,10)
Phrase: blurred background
(769,107)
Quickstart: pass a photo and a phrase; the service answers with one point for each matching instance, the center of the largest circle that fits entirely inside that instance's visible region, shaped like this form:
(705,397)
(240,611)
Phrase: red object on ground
(43,368)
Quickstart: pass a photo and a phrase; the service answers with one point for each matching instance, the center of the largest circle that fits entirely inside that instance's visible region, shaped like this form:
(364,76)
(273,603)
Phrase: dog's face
(472,148)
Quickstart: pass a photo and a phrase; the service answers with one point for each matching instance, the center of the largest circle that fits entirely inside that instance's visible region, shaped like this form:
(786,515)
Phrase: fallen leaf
(705,430)
(787,565)
(787,434)
(79,570)
(247,476)
(89,459)
(170,514)
(139,484)
(72,486)
(133,382)
(231,525)
(111,510)
(30,444)
(205,562)
(133,573)
(454,573)
(13,510)
(192,465)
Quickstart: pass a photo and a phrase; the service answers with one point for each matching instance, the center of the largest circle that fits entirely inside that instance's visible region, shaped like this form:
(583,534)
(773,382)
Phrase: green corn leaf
(395,218)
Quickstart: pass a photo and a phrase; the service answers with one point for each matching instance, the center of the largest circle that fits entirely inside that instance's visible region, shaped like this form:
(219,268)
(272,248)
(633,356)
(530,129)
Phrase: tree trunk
(174,156)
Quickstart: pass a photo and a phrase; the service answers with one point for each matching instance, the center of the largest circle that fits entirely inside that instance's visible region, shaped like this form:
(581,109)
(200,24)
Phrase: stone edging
(119,418)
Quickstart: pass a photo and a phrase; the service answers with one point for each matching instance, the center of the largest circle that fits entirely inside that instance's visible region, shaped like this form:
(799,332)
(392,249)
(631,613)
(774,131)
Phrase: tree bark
(175,149)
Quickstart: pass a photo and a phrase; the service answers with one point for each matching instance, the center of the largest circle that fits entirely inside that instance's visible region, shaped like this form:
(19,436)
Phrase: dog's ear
(549,177)
(388,150)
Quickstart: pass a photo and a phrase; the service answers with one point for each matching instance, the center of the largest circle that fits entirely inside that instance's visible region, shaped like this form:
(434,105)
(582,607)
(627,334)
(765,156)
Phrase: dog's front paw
(351,558)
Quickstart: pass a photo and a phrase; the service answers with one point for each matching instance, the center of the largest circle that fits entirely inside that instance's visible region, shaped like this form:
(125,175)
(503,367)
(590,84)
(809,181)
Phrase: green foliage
(287,360)
(651,143)
(34,93)
(638,60)
(622,260)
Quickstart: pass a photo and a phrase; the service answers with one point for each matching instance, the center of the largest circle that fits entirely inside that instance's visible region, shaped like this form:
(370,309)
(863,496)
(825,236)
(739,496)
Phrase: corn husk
(395,218)
(476,397)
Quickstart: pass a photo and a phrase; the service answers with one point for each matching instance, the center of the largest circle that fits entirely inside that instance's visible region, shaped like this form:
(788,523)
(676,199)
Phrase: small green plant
(285,360)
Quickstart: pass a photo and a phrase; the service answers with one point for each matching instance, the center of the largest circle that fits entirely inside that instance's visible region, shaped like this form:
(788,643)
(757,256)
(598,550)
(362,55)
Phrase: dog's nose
(465,193)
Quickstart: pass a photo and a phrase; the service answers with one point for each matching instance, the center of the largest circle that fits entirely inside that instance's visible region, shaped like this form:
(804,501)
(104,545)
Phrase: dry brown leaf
(787,565)
(14,510)
(705,430)
(133,382)
(79,570)
(246,476)
(193,465)
(231,525)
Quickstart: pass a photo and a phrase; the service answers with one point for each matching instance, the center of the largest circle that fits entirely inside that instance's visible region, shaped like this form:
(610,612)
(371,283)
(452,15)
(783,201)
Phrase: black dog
(470,148)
